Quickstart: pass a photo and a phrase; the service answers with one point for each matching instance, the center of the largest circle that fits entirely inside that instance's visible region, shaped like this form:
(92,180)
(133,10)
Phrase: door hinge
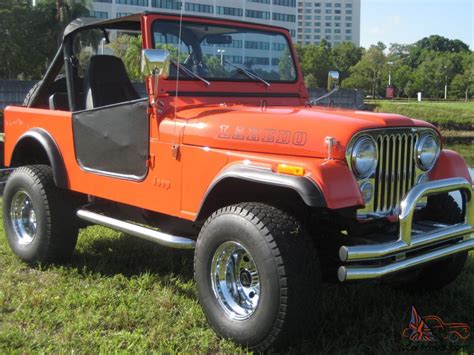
(175,151)
(151,162)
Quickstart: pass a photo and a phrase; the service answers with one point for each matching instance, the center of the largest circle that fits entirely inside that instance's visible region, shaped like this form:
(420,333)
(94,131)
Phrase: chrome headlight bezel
(421,144)
(354,151)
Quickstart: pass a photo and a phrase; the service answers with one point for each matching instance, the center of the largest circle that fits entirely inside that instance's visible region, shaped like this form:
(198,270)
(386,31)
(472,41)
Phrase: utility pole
(390,73)
(221,52)
(445,82)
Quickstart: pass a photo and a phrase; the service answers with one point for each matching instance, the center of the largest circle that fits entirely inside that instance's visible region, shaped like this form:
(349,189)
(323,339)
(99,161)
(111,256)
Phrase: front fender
(450,164)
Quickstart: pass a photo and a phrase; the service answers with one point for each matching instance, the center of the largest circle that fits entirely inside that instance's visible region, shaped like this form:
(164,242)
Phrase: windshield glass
(217,52)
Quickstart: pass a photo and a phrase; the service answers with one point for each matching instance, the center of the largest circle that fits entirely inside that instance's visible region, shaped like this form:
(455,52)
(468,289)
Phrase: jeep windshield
(226,53)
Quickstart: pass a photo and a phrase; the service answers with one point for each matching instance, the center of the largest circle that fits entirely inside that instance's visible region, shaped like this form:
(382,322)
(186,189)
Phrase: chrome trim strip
(164,239)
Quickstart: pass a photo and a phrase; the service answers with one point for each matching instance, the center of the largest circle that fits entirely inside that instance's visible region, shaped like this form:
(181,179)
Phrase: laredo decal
(266,135)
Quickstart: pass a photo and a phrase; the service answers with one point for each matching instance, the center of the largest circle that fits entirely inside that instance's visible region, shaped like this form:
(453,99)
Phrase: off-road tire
(444,209)
(288,268)
(56,226)
(31,93)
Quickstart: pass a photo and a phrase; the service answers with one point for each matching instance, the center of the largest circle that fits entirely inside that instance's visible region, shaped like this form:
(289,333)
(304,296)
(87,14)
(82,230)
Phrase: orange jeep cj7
(225,156)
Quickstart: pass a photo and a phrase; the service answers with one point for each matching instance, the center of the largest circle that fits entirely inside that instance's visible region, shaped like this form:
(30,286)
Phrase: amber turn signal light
(290,170)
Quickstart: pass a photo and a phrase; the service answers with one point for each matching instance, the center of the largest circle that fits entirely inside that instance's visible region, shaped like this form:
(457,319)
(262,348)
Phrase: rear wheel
(441,208)
(257,276)
(38,217)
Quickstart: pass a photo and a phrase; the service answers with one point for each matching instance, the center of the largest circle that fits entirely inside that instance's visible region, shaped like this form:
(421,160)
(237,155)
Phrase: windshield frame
(202,21)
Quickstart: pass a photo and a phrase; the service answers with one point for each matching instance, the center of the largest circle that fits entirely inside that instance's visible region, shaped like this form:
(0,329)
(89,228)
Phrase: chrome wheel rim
(235,280)
(23,218)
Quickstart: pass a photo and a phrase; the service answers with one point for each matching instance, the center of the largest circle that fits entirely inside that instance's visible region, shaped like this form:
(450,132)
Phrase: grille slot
(395,174)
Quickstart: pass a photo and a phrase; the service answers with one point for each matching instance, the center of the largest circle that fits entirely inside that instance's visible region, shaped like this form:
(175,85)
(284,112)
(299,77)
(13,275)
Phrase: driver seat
(107,82)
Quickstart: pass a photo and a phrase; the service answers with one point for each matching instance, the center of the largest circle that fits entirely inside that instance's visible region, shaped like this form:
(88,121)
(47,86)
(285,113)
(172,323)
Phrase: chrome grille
(396,169)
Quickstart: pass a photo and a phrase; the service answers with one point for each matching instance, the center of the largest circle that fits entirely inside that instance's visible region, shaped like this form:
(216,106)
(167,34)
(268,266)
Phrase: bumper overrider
(410,250)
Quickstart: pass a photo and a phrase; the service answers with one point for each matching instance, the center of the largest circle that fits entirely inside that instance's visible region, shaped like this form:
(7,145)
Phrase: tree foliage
(29,35)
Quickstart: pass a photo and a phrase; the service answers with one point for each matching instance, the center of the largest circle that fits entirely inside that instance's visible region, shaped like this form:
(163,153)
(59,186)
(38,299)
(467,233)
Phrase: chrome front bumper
(411,250)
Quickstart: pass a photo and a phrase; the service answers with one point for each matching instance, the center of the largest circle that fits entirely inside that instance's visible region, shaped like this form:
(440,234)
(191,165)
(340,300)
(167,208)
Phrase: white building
(333,20)
(308,21)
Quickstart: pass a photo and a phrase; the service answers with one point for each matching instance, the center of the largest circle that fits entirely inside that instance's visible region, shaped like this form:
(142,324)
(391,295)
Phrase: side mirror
(155,62)
(333,80)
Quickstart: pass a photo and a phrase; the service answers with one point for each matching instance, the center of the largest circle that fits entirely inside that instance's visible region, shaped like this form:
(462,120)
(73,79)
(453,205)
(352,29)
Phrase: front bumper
(371,261)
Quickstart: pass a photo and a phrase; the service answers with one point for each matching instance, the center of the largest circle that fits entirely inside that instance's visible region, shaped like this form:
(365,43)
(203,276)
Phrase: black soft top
(128,23)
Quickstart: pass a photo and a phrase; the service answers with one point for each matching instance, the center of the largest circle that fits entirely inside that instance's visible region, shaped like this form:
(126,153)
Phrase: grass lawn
(446,115)
(121,294)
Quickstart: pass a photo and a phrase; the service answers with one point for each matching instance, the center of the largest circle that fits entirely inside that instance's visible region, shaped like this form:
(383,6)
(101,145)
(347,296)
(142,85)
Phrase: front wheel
(257,276)
(38,217)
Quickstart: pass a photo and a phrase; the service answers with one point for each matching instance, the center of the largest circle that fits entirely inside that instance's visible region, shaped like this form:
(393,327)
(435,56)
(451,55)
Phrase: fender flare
(44,139)
(306,188)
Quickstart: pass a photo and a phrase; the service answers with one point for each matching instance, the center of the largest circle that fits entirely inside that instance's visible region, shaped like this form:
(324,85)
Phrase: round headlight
(427,151)
(364,157)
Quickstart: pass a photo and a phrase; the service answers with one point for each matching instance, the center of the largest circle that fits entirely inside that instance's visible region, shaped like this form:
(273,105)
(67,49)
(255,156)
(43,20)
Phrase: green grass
(446,115)
(121,294)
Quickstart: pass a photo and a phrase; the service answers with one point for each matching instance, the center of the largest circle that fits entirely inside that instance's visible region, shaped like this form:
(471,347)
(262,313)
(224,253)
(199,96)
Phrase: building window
(283,17)
(307,4)
(195,7)
(257,14)
(327,30)
(317,30)
(348,38)
(317,17)
(317,4)
(328,18)
(257,45)
(229,11)
(308,24)
(328,11)
(317,24)
(122,14)
(292,33)
(337,30)
(308,17)
(308,30)
(349,31)
(328,37)
(257,60)
(132,2)
(348,18)
(337,4)
(260,1)
(166,4)
(337,11)
(289,3)
(337,18)
(348,12)
(337,24)
(328,24)
(328,4)
(348,24)
(317,37)
(275,62)
(99,14)
(349,5)
(279,47)
(107,1)
(237,59)
(317,11)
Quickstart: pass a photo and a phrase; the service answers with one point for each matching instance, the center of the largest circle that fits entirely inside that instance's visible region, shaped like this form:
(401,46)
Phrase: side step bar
(137,231)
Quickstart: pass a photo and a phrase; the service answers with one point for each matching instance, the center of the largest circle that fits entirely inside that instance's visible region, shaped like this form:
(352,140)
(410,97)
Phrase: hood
(282,130)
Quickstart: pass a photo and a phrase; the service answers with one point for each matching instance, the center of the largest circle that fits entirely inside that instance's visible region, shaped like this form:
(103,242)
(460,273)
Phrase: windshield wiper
(250,74)
(190,73)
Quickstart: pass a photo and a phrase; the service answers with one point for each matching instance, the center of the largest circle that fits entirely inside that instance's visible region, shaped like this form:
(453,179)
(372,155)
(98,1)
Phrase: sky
(407,21)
